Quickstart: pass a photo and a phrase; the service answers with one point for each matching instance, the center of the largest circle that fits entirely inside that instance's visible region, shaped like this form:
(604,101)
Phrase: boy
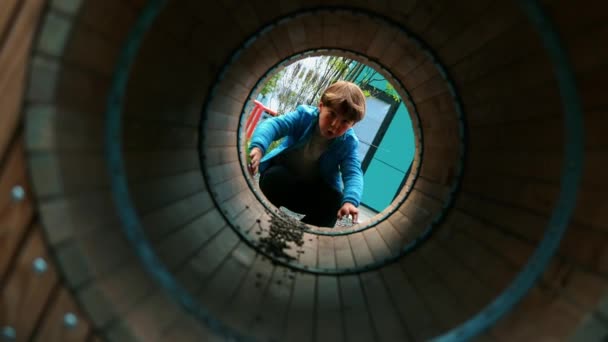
(303,173)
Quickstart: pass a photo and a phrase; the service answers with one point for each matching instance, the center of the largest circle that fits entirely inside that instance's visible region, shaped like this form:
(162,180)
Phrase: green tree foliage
(303,81)
(271,84)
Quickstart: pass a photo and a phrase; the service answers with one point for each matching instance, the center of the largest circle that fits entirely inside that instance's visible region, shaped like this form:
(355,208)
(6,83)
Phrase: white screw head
(70,320)
(40,265)
(18,193)
(9,333)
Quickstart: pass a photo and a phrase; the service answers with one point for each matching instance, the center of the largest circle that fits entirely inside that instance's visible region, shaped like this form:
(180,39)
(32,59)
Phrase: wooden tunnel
(125,214)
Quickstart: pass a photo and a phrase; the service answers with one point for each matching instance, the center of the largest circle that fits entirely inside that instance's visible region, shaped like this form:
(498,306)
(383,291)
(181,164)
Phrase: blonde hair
(346,98)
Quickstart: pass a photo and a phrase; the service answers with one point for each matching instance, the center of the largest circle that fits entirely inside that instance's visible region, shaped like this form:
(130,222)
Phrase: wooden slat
(496,273)
(329,322)
(247,220)
(300,317)
(384,37)
(219,155)
(452,20)
(157,193)
(148,164)
(403,225)
(96,338)
(219,173)
(383,312)
(376,244)
(472,294)
(159,135)
(591,329)
(327,254)
(309,255)
(79,208)
(222,287)
(223,121)
(513,79)
(96,246)
(224,104)
(116,293)
(440,302)
(235,88)
(101,60)
(234,207)
(229,188)
(498,53)
(203,266)
(519,221)
(436,86)
(269,323)
(391,237)
(496,20)
(188,329)
(420,74)
(554,319)
(159,223)
(360,250)
(23,299)
(424,14)
(513,250)
(250,295)
(180,246)
(87,257)
(77,132)
(580,287)
(413,310)
(13,64)
(542,134)
(298,33)
(151,317)
(91,14)
(8,11)
(420,208)
(354,310)
(280,40)
(55,174)
(53,326)
(15,215)
(120,331)
(344,253)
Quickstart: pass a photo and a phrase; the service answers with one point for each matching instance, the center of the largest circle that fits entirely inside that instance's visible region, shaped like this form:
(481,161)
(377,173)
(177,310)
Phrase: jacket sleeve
(273,129)
(352,175)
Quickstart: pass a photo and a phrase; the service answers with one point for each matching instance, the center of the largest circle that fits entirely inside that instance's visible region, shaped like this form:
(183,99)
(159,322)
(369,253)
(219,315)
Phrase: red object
(254,117)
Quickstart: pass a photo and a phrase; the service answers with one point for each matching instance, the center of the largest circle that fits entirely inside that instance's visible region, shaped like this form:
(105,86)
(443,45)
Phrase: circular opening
(421,204)
(388,135)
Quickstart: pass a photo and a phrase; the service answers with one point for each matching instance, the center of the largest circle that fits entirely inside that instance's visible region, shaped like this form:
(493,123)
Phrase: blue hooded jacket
(340,158)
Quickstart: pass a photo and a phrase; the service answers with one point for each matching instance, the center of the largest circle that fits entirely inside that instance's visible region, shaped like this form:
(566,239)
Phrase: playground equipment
(255,115)
(125,214)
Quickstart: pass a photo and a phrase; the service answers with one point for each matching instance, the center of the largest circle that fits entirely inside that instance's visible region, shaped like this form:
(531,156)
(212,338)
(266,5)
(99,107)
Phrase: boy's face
(331,123)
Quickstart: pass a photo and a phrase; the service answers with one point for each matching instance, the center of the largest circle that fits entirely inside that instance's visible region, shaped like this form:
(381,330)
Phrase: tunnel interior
(132,139)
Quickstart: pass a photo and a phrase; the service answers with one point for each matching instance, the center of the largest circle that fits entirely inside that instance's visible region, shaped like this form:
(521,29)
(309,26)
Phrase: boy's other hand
(255,155)
(349,209)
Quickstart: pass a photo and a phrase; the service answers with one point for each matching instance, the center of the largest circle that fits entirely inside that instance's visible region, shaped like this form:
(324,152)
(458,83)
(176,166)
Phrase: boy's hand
(349,209)
(255,155)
